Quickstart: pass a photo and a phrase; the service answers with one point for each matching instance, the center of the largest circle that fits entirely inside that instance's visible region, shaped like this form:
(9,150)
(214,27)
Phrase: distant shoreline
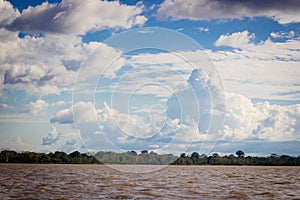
(145,158)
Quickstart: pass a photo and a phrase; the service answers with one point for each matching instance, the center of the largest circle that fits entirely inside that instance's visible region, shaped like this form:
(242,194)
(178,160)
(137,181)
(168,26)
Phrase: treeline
(132,157)
(146,158)
(8,156)
(216,159)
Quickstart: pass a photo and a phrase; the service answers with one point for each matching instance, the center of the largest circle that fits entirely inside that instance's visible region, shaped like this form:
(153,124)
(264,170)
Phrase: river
(42,181)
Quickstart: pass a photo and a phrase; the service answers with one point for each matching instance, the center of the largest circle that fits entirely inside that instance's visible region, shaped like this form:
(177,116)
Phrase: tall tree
(240,154)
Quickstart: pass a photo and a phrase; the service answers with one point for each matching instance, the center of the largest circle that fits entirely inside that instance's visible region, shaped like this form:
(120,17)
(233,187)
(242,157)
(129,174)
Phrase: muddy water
(25,181)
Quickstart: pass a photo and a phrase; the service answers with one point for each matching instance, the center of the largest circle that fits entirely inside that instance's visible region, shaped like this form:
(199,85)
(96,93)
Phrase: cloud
(282,11)
(4,106)
(8,13)
(266,70)
(193,102)
(130,124)
(251,69)
(58,103)
(247,121)
(77,17)
(282,34)
(52,137)
(36,107)
(157,74)
(99,63)
(244,121)
(170,72)
(235,40)
(203,29)
(80,112)
(48,65)
(178,125)
(70,146)
(132,131)
(16,144)
(63,117)
(35,64)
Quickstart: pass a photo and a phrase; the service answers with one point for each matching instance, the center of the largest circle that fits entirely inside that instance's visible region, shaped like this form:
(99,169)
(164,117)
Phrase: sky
(170,76)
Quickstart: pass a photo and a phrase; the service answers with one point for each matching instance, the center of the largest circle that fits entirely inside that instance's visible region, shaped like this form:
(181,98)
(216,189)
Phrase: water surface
(31,181)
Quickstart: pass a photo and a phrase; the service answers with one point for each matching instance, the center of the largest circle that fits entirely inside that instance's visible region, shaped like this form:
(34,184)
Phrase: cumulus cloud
(244,121)
(35,64)
(48,65)
(16,144)
(179,125)
(98,63)
(80,112)
(77,17)
(8,13)
(69,146)
(36,107)
(129,130)
(63,117)
(133,125)
(247,121)
(52,137)
(282,11)
(193,102)
(235,40)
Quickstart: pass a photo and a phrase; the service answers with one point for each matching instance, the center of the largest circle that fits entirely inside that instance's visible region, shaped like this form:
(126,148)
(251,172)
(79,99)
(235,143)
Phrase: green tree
(195,155)
(240,154)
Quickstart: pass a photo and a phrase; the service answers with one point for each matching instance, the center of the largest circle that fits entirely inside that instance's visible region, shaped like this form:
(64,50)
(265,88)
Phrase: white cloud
(16,144)
(154,74)
(36,64)
(21,144)
(246,121)
(133,128)
(80,112)
(70,146)
(128,130)
(236,40)
(159,74)
(48,65)
(282,11)
(7,13)
(281,34)
(132,125)
(59,140)
(267,70)
(63,117)
(36,107)
(52,137)
(78,17)
(253,70)
(101,62)
(203,29)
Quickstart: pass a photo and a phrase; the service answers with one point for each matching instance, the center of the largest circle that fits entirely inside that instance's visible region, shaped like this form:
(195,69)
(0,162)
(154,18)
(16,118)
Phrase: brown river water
(26,181)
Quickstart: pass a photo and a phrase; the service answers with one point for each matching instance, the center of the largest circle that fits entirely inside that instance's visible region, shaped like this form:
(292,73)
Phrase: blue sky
(169,76)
